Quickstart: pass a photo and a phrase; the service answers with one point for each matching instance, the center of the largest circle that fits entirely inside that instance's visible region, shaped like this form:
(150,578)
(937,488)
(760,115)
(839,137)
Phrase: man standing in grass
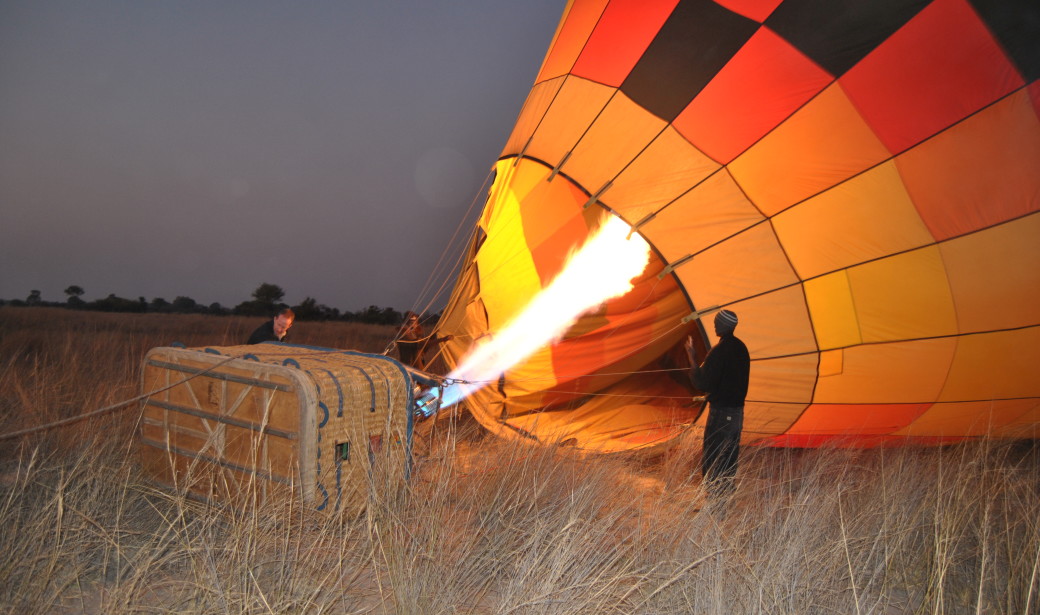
(273,330)
(724,378)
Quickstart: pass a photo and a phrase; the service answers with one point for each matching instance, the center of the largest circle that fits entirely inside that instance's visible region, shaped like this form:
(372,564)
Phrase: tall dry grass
(488,526)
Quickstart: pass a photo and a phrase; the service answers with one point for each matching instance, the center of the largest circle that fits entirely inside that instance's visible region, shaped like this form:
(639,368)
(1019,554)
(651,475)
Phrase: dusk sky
(198,148)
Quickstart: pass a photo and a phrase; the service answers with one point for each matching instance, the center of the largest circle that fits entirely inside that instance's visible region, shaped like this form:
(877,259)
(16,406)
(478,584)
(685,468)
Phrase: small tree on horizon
(75,293)
(268,293)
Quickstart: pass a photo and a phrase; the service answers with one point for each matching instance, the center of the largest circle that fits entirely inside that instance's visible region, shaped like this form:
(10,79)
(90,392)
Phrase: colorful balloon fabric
(859,180)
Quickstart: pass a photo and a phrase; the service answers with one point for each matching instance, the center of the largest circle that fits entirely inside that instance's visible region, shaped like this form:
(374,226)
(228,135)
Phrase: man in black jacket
(274,330)
(724,378)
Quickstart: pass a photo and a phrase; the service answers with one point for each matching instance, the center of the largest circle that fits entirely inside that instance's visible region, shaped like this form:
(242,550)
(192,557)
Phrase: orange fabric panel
(765,419)
(974,418)
(906,296)
(624,336)
(998,365)
(752,9)
(787,380)
(995,276)
(572,111)
(980,172)
(855,441)
(766,81)
(538,101)
(867,217)
(667,168)
(856,419)
(713,211)
(833,311)
(774,324)
(622,35)
(824,143)
(653,410)
(531,376)
(745,265)
(889,373)
(1025,425)
(555,226)
(575,27)
(620,132)
(939,68)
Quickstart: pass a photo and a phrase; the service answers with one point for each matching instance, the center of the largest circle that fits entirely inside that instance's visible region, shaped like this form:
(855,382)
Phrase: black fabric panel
(836,34)
(1016,25)
(696,41)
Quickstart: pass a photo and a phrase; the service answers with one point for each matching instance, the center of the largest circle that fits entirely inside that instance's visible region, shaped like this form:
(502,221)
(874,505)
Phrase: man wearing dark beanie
(724,378)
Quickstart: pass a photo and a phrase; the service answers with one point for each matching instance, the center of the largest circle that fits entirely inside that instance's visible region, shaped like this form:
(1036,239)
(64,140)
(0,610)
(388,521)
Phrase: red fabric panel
(761,86)
(981,172)
(621,36)
(941,67)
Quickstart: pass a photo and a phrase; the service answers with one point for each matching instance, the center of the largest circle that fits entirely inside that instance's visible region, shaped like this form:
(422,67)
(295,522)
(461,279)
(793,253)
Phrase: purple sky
(159,148)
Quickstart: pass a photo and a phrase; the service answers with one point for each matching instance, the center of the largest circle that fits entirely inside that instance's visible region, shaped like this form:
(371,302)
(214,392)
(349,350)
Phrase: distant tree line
(266,301)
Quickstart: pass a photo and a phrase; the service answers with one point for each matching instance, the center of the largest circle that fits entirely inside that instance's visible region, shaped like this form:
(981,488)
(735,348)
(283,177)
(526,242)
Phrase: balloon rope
(75,419)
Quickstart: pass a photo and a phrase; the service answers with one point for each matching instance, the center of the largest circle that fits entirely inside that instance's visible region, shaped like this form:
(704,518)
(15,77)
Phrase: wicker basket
(246,424)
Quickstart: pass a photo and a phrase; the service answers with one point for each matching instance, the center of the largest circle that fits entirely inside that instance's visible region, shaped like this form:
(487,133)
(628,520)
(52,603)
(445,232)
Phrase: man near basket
(274,330)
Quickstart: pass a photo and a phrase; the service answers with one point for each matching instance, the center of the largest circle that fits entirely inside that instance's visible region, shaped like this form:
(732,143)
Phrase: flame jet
(602,269)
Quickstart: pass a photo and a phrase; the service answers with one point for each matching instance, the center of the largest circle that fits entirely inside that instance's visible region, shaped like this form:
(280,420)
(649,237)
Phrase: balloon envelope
(859,182)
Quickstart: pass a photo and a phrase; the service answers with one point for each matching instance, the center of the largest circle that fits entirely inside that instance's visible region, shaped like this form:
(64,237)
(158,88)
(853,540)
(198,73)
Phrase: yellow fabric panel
(748,264)
(998,365)
(711,212)
(538,101)
(979,172)
(995,276)
(576,25)
(974,418)
(899,372)
(867,217)
(775,324)
(504,174)
(659,175)
(833,311)
(905,296)
(575,107)
(824,143)
(620,132)
(764,419)
(508,277)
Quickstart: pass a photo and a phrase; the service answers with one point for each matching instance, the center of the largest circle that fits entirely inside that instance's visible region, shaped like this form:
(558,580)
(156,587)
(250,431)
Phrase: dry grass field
(485,526)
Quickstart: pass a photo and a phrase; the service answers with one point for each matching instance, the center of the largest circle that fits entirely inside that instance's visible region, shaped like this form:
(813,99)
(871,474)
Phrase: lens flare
(602,269)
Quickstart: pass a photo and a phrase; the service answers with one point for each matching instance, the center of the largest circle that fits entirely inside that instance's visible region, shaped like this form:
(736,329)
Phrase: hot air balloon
(859,181)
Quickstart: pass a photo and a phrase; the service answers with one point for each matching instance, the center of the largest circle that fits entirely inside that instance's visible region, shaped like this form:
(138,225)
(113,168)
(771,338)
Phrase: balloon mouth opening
(605,379)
